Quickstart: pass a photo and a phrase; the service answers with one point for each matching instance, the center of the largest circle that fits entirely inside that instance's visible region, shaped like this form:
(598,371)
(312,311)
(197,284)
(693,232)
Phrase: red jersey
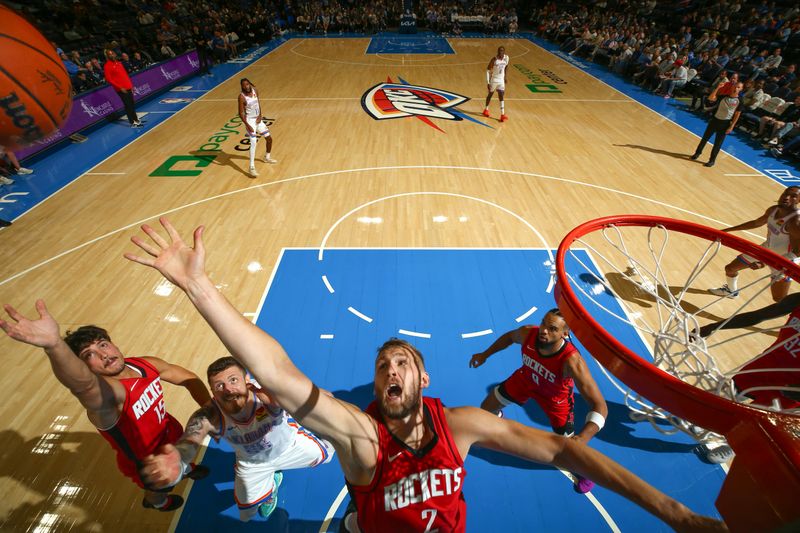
(117,76)
(546,372)
(414,491)
(143,424)
(784,353)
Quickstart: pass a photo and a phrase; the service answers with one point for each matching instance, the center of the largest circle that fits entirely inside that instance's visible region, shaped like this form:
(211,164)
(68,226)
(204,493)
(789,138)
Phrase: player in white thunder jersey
(783,237)
(496,78)
(250,113)
(266,439)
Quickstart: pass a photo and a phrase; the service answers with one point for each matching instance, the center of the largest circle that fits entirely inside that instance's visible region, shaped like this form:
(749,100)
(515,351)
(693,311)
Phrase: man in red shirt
(403,458)
(123,397)
(118,78)
(551,365)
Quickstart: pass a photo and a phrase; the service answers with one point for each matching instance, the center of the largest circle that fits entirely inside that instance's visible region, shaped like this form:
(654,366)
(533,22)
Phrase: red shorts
(171,434)
(518,388)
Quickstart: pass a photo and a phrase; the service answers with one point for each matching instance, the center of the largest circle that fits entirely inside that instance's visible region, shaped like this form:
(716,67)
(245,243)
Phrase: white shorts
(260,128)
(254,482)
(497,86)
(777,275)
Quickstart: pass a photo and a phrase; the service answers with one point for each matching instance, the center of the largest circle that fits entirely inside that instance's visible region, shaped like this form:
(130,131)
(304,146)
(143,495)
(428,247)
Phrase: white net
(656,281)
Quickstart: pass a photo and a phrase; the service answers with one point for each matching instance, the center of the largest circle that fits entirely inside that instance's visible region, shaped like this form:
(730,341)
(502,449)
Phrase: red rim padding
(761,490)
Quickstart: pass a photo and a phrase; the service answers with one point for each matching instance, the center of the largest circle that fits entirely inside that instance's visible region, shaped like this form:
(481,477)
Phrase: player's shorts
(260,128)
(255,481)
(777,275)
(518,389)
(497,86)
(171,434)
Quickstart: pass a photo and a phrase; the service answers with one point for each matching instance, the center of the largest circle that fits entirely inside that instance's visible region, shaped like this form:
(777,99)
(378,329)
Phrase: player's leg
(255,489)
(253,137)
(731,287)
(780,289)
(263,131)
(307,451)
(501,94)
(510,391)
(488,99)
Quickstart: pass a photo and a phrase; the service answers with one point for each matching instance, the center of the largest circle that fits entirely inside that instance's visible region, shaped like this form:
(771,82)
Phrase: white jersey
(251,107)
(265,435)
(777,234)
(498,74)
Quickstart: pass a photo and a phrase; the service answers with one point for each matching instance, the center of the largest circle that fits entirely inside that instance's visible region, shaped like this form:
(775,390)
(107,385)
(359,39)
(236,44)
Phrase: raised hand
(176,261)
(164,469)
(42,332)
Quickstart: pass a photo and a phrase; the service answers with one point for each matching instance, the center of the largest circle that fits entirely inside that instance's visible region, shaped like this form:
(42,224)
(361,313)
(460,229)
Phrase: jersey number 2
(432,514)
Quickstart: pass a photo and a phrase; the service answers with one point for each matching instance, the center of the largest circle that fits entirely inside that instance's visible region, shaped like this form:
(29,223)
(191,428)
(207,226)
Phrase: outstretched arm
(352,432)
(471,425)
(751,224)
(743,320)
(99,396)
(598,410)
(177,375)
(503,341)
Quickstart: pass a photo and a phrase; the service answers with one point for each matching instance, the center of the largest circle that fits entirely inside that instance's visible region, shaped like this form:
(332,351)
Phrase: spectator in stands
(72,68)
(786,122)
(792,147)
(145,18)
(117,76)
(80,82)
(675,78)
(770,64)
(138,62)
(202,45)
(754,94)
(218,48)
(741,50)
(784,78)
(94,76)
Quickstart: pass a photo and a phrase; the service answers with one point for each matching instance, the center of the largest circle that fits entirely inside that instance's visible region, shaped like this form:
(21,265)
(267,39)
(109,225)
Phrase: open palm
(175,260)
(42,332)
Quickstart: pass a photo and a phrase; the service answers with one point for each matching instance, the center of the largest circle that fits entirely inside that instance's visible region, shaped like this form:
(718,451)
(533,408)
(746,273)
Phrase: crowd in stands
(688,48)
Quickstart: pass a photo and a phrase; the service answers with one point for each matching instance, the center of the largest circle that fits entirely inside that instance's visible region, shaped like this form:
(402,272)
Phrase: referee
(726,114)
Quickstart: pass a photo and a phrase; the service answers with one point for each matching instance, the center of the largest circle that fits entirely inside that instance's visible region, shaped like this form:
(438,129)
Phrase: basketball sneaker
(253,172)
(503,118)
(266,508)
(270,160)
(582,485)
(23,171)
(173,502)
(6,181)
(724,291)
(485,112)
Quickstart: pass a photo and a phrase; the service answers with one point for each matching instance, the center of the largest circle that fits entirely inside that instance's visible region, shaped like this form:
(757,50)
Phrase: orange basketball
(35,90)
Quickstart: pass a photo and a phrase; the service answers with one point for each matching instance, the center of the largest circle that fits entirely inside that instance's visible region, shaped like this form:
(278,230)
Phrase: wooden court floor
(561,159)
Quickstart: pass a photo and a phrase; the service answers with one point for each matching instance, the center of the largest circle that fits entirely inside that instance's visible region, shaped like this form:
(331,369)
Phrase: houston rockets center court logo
(402,100)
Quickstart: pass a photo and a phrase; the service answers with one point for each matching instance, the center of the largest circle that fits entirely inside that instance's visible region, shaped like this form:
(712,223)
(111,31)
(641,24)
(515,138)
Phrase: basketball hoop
(678,377)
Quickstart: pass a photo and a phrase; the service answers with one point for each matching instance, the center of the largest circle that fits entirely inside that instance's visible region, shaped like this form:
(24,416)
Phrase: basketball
(35,89)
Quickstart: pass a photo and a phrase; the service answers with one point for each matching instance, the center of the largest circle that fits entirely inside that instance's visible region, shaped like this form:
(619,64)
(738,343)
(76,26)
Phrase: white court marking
(352,171)
(321,253)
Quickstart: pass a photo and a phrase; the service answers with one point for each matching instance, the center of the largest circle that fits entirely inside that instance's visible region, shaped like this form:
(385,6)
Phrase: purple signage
(92,107)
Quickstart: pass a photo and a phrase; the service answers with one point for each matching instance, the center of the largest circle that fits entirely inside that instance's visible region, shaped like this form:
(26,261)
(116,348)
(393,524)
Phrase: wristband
(596,418)
(488,80)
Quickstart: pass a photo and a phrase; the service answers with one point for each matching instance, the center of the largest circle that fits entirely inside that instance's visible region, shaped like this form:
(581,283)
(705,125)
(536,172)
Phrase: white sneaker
(253,172)
(724,291)
(6,181)
(23,170)
(270,160)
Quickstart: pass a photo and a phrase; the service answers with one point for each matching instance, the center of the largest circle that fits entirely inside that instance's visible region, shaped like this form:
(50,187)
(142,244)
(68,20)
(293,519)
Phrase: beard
(406,407)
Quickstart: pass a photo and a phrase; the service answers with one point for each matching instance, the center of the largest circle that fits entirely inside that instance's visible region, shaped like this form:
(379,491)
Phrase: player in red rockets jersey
(551,365)
(123,397)
(424,494)
(771,375)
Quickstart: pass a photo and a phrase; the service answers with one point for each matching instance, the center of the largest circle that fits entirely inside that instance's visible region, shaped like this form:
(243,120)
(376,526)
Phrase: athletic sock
(268,157)
(733,283)
(502,108)
(253,142)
